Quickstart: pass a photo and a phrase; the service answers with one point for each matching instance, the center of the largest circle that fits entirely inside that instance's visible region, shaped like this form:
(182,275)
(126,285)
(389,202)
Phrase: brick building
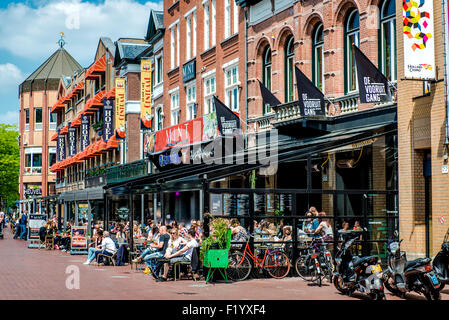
(37,94)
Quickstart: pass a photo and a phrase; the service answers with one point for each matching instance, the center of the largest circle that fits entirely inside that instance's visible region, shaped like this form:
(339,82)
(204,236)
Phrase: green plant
(97,126)
(278,213)
(217,238)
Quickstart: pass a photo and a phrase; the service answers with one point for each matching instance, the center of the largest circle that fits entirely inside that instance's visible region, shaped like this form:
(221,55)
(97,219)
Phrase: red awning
(93,104)
(57,105)
(110,94)
(96,68)
(77,121)
(112,143)
(64,130)
(54,137)
(79,87)
(67,98)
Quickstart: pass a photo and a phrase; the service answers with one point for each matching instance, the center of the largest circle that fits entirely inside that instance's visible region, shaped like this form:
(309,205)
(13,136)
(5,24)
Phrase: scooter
(441,263)
(405,276)
(354,273)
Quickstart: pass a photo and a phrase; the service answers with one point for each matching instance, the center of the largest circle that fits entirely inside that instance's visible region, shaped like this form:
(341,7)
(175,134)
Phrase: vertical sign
(84,131)
(72,140)
(120,108)
(419,46)
(145,94)
(61,147)
(107,119)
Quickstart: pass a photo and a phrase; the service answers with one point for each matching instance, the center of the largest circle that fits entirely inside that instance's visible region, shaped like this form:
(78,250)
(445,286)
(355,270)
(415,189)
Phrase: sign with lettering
(84,131)
(189,71)
(32,192)
(61,147)
(120,108)
(145,94)
(72,140)
(107,119)
(310,98)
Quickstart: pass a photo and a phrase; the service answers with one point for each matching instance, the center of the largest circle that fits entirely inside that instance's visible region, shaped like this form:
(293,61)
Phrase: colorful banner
(182,134)
(61,146)
(108,109)
(120,108)
(373,85)
(148,143)
(72,140)
(311,99)
(78,238)
(419,45)
(145,94)
(84,131)
(228,121)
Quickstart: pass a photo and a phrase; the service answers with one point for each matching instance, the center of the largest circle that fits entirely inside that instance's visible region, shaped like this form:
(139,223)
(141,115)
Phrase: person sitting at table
(43,232)
(107,247)
(136,231)
(183,230)
(183,255)
(120,235)
(94,246)
(153,235)
(324,229)
(176,242)
(155,250)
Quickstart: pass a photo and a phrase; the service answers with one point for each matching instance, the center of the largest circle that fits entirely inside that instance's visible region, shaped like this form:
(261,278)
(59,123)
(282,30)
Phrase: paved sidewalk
(41,274)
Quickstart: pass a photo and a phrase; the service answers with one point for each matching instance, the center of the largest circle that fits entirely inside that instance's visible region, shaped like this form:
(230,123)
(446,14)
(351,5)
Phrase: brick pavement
(41,274)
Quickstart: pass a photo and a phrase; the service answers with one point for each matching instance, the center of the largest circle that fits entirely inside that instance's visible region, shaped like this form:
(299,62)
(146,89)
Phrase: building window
(159,69)
(177,44)
(172,48)
(33,160)
(27,119)
(159,119)
(174,108)
(194,34)
(206,26)
(236,17)
(189,39)
(191,102)
(209,91)
(227,13)
(266,75)
(214,23)
(51,156)
(232,88)
(37,118)
(289,65)
(388,39)
(318,57)
(351,36)
(52,117)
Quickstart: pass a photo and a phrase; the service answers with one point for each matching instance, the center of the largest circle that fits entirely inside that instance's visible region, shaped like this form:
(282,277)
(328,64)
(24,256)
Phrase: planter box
(216,258)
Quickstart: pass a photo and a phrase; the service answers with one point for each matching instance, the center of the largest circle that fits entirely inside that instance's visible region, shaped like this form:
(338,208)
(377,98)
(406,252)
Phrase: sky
(30,29)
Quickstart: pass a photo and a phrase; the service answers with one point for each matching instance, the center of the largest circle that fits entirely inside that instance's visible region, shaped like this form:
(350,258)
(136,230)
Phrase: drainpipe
(444,5)
(246,68)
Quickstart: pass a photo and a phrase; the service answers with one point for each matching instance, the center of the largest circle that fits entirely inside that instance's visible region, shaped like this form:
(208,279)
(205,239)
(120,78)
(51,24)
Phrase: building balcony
(264,122)
(95,180)
(127,171)
(60,184)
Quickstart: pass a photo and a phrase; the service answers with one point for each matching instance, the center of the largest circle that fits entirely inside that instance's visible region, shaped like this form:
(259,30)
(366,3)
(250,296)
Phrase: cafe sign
(33,192)
(189,71)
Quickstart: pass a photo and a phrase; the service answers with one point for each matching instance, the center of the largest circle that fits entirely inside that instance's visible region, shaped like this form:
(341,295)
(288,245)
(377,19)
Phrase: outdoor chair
(48,243)
(177,269)
(105,257)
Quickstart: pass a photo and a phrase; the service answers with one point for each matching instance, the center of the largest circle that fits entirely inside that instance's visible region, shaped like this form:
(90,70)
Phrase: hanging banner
(84,131)
(419,45)
(311,99)
(228,121)
(120,108)
(145,94)
(267,96)
(61,147)
(107,119)
(373,85)
(72,140)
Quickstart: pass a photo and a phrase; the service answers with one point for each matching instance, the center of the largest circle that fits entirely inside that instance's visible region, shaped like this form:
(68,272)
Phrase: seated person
(107,247)
(43,232)
(160,247)
(176,242)
(95,245)
(183,255)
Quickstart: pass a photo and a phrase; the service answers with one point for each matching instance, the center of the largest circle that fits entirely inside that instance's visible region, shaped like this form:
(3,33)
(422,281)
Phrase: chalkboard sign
(35,222)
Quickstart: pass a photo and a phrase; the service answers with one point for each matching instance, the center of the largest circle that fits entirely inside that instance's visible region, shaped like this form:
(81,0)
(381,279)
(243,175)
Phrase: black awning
(289,148)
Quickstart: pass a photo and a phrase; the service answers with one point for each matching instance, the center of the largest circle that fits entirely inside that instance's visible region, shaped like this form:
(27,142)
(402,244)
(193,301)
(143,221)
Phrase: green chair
(218,259)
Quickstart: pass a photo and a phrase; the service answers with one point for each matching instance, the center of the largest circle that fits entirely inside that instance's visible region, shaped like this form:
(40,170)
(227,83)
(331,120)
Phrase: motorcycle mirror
(396,233)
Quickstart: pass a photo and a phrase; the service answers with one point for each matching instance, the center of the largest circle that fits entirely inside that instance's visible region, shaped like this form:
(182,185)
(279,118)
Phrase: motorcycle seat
(416,263)
(357,260)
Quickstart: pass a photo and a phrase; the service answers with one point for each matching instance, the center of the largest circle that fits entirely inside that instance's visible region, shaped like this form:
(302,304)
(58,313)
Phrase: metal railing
(95,181)
(123,172)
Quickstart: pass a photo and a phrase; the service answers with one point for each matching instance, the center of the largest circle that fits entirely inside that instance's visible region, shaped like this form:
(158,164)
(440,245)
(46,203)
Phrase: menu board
(35,222)
(216,204)
(79,239)
(236,204)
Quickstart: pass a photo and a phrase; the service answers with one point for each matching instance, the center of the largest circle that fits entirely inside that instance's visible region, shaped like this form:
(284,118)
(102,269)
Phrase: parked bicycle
(273,260)
(315,262)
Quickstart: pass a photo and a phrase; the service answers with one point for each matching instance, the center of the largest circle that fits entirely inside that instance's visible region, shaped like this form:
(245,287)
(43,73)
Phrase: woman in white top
(324,228)
(175,243)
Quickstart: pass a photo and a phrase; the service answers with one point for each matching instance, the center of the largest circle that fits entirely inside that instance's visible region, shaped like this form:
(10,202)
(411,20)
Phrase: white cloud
(10,117)
(33,32)
(10,77)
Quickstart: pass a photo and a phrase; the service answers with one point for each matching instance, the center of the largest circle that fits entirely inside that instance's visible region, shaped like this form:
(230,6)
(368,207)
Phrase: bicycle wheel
(239,266)
(303,267)
(277,264)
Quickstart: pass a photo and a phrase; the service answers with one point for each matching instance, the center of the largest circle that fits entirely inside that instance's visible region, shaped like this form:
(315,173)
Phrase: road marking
(100,269)
(120,277)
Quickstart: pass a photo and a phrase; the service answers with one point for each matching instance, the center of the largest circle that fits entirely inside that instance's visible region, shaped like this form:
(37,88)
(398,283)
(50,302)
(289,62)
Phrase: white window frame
(159,118)
(51,150)
(27,125)
(236,17)
(38,125)
(51,125)
(177,44)
(227,18)
(209,93)
(175,111)
(232,86)
(191,102)
(206,26)
(172,48)
(214,23)
(32,151)
(188,37)
(159,66)
(194,34)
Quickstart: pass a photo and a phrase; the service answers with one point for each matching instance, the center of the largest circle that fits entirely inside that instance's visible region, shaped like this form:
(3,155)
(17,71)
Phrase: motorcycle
(441,263)
(354,273)
(405,276)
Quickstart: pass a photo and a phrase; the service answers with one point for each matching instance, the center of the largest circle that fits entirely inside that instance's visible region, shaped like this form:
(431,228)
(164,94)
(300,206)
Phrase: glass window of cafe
(356,184)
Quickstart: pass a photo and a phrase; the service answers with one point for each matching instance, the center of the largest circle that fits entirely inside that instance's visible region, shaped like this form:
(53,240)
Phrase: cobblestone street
(41,274)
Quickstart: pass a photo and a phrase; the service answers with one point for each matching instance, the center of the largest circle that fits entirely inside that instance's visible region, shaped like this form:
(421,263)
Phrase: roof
(58,64)
(128,51)
(108,44)
(155,23)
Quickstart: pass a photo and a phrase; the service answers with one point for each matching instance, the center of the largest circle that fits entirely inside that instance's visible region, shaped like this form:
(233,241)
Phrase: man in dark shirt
(151,259)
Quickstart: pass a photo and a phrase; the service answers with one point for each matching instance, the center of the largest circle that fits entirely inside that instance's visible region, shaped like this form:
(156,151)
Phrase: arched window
(318,57)
(159,119)
(289,63)
(266,74)
(351,36)
(387,41)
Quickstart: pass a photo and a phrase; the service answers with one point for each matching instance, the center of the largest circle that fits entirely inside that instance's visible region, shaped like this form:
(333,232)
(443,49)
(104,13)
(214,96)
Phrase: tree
(9,163)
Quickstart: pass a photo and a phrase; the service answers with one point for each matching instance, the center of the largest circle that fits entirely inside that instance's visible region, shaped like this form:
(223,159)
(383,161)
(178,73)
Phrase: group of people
(318,225)
(20,223)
